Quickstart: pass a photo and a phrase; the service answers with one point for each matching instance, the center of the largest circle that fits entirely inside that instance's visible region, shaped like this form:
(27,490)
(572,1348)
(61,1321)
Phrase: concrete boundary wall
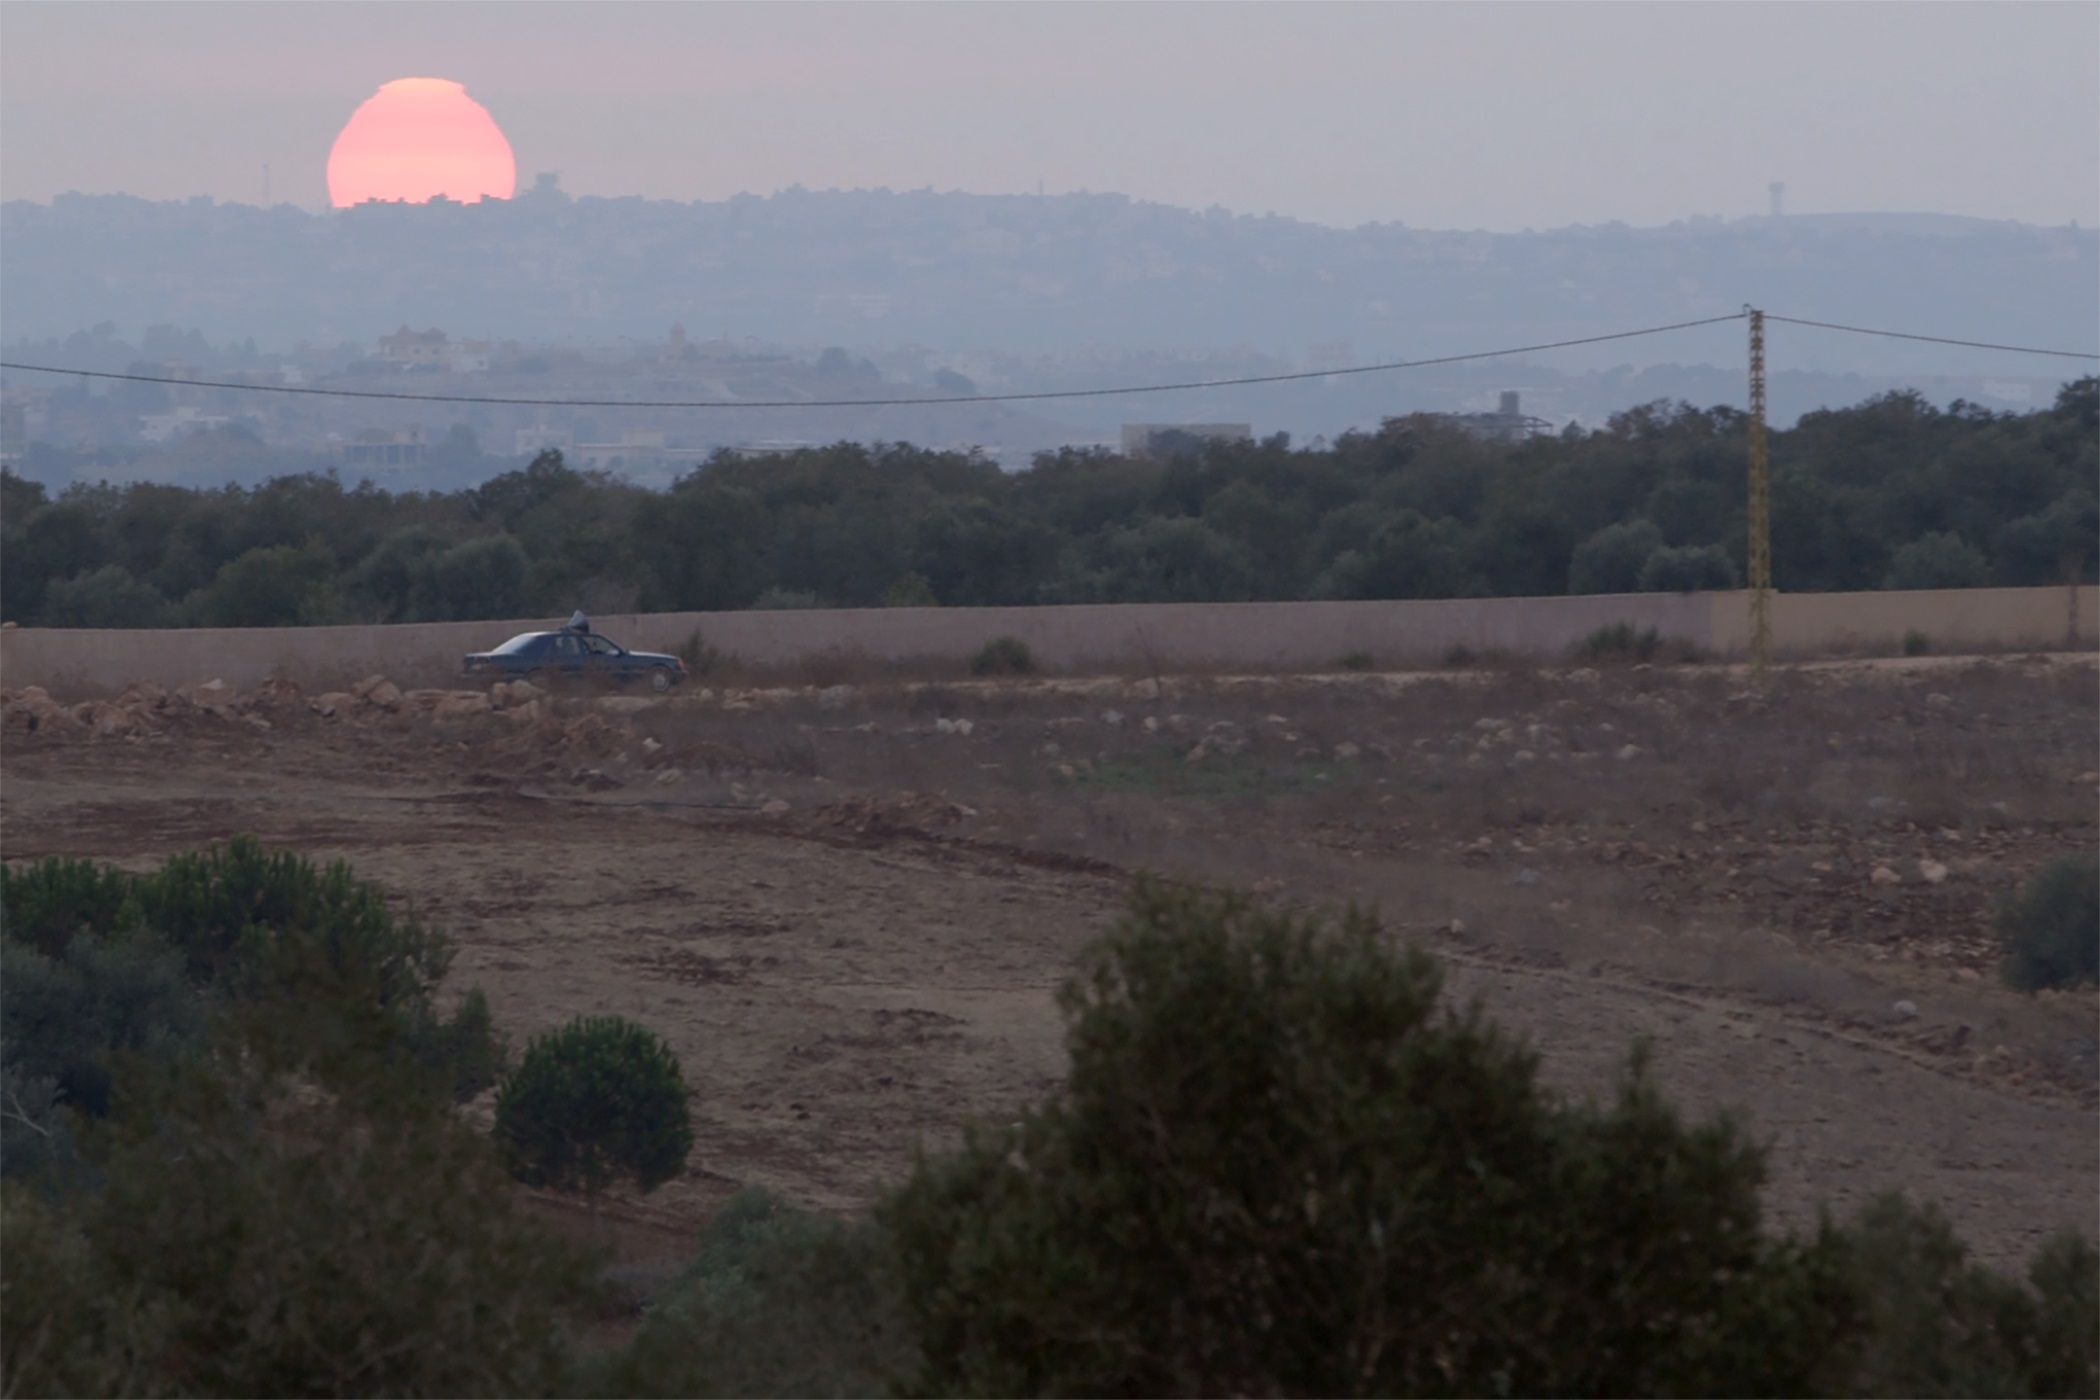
(1169,636)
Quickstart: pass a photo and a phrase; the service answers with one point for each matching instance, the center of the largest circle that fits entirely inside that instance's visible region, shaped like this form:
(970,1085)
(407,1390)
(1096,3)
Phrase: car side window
(565,646)
(599,646)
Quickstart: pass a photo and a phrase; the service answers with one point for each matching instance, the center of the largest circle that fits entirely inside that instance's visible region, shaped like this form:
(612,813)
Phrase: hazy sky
(1438,115)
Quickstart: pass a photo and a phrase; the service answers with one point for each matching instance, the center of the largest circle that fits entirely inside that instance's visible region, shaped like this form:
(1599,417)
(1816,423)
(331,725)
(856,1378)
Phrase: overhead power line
(873,403)
(1935,339)
(1036,396)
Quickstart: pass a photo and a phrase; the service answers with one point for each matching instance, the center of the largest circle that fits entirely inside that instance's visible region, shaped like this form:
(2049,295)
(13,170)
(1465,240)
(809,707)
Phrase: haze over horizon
(1500,117)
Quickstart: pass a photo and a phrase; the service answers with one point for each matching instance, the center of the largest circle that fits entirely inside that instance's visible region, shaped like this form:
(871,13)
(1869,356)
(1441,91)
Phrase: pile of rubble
(146,709)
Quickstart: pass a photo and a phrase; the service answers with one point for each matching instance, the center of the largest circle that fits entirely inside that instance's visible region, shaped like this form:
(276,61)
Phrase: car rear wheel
(660,679)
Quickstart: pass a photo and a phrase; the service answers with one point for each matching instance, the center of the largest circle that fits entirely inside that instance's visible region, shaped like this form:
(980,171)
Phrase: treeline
(1892,493)
(1281,1162)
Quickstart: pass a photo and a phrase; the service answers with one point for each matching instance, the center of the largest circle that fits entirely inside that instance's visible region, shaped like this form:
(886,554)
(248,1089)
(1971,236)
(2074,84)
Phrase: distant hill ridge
(1027,274)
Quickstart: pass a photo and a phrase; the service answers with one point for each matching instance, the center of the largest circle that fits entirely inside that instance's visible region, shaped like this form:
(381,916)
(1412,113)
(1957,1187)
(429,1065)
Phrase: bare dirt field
(847,908)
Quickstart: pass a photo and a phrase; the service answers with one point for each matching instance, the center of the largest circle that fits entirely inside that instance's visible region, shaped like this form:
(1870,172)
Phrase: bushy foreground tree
(245,1235)
(308,966)
(1281,1166)
(777,1301)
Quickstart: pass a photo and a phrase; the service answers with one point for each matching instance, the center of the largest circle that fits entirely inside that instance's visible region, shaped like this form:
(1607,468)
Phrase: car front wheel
(660,679)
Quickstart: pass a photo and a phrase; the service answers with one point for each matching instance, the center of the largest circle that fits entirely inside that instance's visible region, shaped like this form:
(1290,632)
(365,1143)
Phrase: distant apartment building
(530,442)
(407,349)
(186,419)
(432,349)
(637,453)
(1508,423)
(1140,438)
(386,447)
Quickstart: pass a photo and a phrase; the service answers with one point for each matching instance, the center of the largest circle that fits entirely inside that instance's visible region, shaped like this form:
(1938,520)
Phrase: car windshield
(524,641)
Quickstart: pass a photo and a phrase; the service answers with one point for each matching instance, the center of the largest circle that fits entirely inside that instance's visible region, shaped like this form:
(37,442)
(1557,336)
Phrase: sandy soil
(847,970)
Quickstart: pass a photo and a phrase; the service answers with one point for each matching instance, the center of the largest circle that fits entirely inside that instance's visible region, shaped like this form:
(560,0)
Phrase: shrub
(1356,661)
(779,1301)
(595,1100)
(1460,655)
(1003,656)
(251,1240)
(311,962)
(1916,643)
(2050,929)
(63,1017)
(1619,641)
(1280,1166)
(44,905)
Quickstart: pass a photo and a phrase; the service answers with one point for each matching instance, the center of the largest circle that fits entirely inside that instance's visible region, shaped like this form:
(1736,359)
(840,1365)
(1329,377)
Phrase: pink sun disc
(416,139)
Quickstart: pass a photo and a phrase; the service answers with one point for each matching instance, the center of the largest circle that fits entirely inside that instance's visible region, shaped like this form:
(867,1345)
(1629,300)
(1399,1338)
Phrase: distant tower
(266,186)
(1778,189)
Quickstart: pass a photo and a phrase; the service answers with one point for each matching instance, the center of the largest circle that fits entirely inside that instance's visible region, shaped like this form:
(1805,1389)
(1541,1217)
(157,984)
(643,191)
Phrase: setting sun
(415,139)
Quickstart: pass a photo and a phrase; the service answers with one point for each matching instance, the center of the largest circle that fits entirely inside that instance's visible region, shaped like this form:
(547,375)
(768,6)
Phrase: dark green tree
(1280,1166)
(108,597)
(594,1101)
(1611,560)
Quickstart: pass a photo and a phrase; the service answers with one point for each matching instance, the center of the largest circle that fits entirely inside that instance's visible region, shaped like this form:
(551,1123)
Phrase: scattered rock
(650,746)
(778,807)
(333,705)
(387,696)
(1905,1010)
(463,705)
(1932,872)
(1526,876)
(1455,926)
(1628,751)
(953,726)
(1884,876)
(1939,701)
(1523,756)
(364,687)
(1151,725)
(1346,751)
(595,779)
(1112,718)
(835,697)
(669,776)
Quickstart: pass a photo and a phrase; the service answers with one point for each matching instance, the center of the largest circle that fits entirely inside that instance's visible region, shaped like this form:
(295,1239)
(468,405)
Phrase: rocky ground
(847,907)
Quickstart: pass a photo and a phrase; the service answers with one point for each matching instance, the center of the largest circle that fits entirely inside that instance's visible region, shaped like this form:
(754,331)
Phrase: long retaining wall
(1163,636)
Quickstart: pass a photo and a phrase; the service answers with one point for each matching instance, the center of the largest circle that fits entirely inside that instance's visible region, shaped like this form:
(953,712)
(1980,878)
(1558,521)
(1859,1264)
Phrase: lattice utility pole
(1760,509)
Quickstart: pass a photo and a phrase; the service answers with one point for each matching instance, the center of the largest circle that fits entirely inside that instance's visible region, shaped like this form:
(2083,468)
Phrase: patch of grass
(701,658)
(1619,641)
(1916,643)
(1003,656)
(1356,661)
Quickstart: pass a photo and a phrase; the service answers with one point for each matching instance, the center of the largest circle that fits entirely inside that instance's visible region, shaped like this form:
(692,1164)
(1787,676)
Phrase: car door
(565,658)
(602,659)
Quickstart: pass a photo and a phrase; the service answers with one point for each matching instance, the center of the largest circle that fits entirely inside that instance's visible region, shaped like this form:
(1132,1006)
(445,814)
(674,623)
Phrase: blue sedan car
(575,654)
